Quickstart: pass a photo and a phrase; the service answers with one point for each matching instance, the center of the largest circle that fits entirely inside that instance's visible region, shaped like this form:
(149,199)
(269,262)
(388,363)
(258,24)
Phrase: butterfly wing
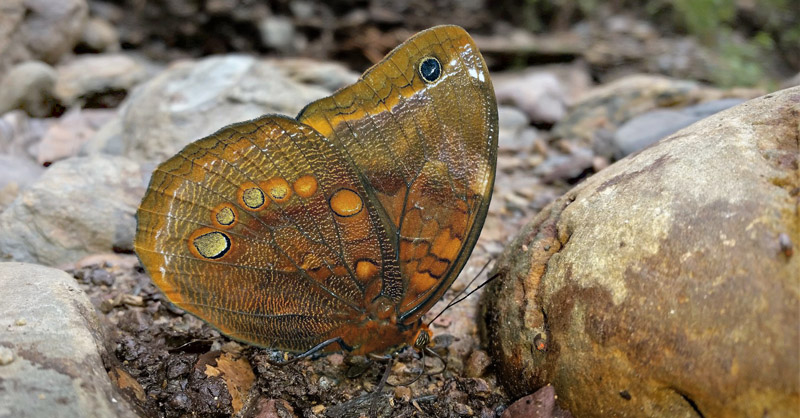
(262,229)
(425,142)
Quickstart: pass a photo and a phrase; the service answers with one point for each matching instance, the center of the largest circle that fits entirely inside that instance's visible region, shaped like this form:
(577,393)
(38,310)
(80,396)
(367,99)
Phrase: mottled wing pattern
(427,151)
(262,229)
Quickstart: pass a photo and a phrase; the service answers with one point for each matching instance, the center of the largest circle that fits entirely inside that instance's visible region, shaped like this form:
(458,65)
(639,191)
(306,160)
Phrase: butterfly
(340,228)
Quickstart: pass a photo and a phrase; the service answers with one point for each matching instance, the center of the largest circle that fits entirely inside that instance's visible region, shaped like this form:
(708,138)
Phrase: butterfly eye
(430,69)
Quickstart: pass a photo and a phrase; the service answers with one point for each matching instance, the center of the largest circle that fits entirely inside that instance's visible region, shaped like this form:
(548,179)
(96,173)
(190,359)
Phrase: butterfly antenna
(419,375)
(444,362)
(458,298)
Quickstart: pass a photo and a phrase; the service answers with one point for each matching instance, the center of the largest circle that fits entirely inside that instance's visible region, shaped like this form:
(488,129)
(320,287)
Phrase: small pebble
(6,356)
(463,410)
(477,363)
(21,322)
(403,393)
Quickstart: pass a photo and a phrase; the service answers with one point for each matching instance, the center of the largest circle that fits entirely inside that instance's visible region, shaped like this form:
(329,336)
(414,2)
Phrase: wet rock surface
(660,285)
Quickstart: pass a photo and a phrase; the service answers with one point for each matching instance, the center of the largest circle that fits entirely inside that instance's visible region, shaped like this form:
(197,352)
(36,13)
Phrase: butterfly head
(423,338)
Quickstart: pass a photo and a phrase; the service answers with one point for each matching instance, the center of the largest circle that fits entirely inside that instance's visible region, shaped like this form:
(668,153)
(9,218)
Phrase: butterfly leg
(316,349)
(377,392)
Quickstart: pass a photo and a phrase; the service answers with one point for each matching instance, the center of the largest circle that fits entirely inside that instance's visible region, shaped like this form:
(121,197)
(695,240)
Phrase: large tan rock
(669,283)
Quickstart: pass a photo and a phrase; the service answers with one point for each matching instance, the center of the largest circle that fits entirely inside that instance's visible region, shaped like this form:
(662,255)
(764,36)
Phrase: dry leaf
(123,380)
(238,376)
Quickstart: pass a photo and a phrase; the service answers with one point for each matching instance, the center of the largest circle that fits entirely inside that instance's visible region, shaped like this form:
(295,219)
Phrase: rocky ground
(94,94)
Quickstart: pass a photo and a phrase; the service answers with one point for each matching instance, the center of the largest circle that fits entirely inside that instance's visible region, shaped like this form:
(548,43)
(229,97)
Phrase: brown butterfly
(339,229)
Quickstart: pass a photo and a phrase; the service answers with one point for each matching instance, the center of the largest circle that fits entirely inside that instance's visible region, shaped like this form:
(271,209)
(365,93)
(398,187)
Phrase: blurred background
(724,42)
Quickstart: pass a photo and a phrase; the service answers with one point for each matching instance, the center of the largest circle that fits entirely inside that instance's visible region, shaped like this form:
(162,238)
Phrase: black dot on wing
(430,69)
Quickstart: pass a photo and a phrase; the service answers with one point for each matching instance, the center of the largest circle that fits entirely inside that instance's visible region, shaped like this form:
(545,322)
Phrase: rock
(20,134)
(28,86)
(92,75)
(192,99)
(56,344)
(511,119)
(108,139)
(644,130)
(65,137)
(328,75)
(8,193)
(539,94)
(16,173)
(515,134)
(79,206)
(41,30)
(600,112)
(100,36)
(18,170)
(541,404)
(477,363)
(661,286)
(278,32)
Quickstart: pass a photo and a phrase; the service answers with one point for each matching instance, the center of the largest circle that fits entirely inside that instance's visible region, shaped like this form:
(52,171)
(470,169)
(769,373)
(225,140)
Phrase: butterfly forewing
(427,149)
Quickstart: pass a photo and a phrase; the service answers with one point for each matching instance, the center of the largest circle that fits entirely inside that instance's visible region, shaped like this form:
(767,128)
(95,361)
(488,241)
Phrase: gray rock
(65,137)
(79,206)
(19,170)
(51,348)
(20,134)
(328,75)
(41,30)
(666,284)
(601,111)
(515,133)
(16,173)
(646,129)
(278,32)
(511,119)
(100,36)
(192,99)
(109,139)
(28,86)
(539,94)
(706,109)
(95,74)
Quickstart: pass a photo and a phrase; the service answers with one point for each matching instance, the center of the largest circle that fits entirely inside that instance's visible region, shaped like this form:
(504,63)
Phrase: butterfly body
(346,223)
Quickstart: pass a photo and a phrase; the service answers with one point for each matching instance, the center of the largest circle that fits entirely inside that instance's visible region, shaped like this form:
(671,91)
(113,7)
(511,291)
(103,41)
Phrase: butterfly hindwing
(263,230)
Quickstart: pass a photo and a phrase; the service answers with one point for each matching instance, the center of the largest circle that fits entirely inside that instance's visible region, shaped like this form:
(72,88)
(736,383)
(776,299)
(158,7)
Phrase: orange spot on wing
(224,215)
(277,189)
(365,269)
(346,202)
(305,186)
(251,197)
